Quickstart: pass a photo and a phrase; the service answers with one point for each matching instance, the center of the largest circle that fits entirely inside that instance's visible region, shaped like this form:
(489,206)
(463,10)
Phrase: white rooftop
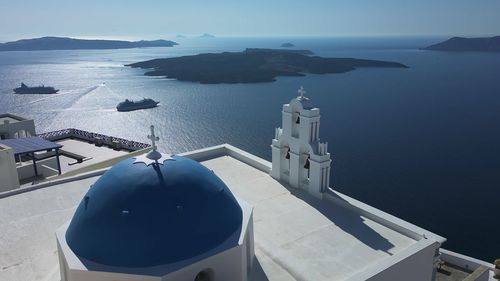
(93,154)
(10,118)
(297,237)
(291,229)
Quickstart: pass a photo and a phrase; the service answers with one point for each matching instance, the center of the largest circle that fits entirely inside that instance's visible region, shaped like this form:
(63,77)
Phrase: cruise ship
(35,90)
(129,105)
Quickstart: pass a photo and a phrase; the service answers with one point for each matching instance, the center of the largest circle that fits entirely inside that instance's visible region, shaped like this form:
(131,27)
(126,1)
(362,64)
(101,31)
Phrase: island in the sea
(64,43)
(207,35)
(461,44)
(287,45)
(251,66)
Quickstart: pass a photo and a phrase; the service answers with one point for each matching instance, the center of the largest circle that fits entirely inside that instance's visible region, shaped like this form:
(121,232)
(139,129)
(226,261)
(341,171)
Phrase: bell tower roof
(304,101)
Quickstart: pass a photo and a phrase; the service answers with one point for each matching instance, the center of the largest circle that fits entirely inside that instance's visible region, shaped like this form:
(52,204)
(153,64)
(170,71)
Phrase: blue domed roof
(141,216)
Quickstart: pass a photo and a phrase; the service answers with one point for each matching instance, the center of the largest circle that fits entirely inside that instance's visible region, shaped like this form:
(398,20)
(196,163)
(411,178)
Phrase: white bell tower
(298,156)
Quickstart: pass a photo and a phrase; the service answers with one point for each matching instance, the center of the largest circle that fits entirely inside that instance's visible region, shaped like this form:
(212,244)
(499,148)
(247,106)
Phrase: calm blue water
(422,143)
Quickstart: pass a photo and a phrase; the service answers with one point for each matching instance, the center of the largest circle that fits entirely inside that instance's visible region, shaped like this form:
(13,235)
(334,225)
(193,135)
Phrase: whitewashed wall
(8,172)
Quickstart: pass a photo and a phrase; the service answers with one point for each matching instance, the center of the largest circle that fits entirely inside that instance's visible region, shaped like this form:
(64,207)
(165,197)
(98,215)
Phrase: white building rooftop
(297,236)
(8,119)
(90,153)
(11,118)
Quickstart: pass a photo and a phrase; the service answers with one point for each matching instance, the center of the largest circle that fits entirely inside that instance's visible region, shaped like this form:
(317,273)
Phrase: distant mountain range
(461,44)
(206,35)
(287,45)
(293,51)
(64,43)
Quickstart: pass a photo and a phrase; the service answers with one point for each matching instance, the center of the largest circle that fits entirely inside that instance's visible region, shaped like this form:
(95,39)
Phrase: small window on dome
(205,275)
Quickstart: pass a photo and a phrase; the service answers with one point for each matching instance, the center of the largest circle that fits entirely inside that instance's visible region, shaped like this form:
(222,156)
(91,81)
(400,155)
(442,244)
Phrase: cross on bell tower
(301,91)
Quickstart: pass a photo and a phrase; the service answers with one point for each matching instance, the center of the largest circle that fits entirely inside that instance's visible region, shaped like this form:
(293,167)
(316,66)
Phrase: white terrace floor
(94,153)
(301,238)
(296,237)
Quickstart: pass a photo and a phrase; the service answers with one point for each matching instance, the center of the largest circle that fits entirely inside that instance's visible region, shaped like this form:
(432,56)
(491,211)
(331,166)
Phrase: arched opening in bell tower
(295,123)
(285,168)
(307,166)
(304,169)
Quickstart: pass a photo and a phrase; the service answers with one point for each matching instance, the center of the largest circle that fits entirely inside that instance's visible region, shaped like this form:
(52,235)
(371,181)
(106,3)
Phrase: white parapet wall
(8,173)
(414,264)
(468,263)
(45,168)
(103,164)
(13,126)
(229,150)
(462,260)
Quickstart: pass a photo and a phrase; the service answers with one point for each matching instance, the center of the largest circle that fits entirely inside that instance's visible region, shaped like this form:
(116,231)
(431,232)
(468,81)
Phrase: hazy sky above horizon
(153,19)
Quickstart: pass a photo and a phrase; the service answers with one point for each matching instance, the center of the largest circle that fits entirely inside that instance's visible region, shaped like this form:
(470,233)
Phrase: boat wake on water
(71,92)
(113,93)
(86,109)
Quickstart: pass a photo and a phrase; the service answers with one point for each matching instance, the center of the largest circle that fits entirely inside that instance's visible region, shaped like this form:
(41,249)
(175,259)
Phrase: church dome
(141,216)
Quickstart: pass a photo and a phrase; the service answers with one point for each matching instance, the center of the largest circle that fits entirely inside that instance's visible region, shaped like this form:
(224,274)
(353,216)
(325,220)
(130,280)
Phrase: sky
(154,19)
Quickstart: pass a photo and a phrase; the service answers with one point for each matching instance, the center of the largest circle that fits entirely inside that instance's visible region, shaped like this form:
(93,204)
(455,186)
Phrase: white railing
(89,136)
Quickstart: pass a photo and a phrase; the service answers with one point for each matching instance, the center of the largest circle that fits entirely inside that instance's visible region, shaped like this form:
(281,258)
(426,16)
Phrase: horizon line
(199,35)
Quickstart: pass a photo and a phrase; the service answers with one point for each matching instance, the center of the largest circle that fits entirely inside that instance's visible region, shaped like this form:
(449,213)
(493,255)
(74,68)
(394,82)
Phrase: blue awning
(29,145)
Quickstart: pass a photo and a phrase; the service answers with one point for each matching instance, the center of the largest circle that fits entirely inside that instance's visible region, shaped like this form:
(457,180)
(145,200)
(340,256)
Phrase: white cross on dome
(153,157)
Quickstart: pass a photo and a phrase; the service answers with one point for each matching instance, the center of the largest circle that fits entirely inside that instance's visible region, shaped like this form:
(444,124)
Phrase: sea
(421,143)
